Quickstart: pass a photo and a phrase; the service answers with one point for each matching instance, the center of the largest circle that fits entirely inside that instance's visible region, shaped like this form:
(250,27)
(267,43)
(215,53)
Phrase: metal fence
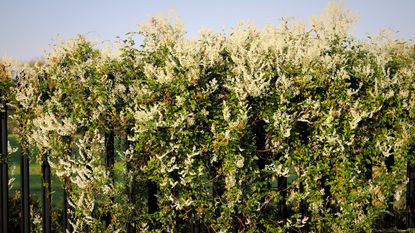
(46,186)
(407,222)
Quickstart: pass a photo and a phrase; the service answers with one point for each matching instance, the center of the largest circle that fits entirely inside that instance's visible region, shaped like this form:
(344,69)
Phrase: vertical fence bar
(368,177)
(304,130)
(2,202)
(390,220)
(260,136)
(410,196)
(46,196)
(283,190)
(133,199)
(110,151)
(110,160)
(195,226)
(260,143)
(66,207)
(132,188)
(4,189)
(152,199)
(24,172)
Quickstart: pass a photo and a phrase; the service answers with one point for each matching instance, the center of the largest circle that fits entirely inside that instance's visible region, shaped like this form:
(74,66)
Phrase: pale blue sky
(28,27)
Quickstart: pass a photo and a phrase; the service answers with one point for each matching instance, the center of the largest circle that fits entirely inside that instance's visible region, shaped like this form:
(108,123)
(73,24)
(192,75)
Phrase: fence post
(152,204)
(4,189)
(132,189)
(283,189)
(304,130)
(110,160)
(410,195)
(46,195)
(390,220)
(24,172)
(368,177)
(260,137)
(66,207)
(66,190)
(152,198)
(195,226)
(133,199)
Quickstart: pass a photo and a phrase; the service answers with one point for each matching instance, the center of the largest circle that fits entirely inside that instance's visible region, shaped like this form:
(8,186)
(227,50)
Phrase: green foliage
(334,111)
(15,214)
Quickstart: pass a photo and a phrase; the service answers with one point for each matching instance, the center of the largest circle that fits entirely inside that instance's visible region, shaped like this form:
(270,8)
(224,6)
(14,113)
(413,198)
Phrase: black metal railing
(4,170)
(152,188)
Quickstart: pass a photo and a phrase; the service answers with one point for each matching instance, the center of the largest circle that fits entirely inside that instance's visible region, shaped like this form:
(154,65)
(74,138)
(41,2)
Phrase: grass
(35,176)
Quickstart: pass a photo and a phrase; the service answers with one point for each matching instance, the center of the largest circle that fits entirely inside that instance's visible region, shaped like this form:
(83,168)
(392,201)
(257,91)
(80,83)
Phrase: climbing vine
(220,122)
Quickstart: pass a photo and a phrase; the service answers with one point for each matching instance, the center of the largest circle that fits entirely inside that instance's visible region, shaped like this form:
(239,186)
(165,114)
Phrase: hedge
(214,126)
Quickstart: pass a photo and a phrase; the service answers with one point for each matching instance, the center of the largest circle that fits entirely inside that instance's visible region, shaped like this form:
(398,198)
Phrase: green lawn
(35,179)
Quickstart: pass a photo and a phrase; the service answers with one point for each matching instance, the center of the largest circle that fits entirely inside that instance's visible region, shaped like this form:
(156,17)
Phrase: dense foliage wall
(219,123)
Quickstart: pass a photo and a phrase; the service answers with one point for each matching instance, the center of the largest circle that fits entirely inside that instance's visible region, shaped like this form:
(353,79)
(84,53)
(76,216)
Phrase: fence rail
(195,226)
(4,170)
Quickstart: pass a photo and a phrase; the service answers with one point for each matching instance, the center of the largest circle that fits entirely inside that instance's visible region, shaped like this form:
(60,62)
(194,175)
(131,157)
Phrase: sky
(28,28)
